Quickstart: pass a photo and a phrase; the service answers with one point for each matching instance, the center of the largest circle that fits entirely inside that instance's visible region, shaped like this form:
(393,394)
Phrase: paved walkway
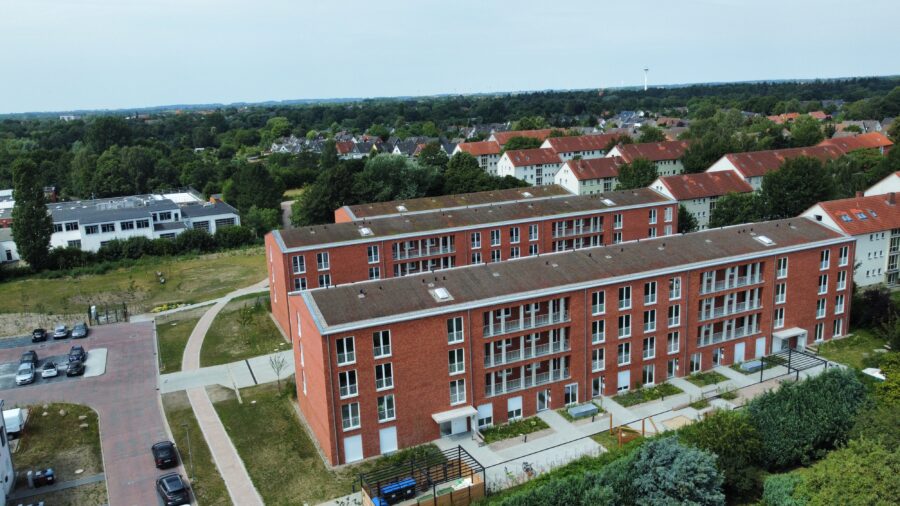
(241,374)
(56,487)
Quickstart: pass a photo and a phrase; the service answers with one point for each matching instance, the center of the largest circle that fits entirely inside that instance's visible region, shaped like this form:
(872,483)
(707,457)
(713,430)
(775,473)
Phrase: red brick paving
(125,397)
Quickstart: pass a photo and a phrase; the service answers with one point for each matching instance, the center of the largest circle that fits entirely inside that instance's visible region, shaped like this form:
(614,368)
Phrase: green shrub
(194,240)
(863,473)
(234,237)
(778,490)
(667,472)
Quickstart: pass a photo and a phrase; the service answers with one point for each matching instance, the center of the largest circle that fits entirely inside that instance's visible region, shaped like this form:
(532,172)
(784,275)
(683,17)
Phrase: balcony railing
(719,337)
(674,321)
(721,311)
(346,358)
(422,252)
(455,336)
(527,382)
(515,325)
(526,353)
(570,232)
(382,351)
(738,282)
(598,365)
(598,308)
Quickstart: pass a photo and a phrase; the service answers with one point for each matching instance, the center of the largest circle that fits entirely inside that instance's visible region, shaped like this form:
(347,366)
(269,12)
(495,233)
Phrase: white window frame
(456,361)
(459,396)
(348,384)
(298,264)
(386,370)
(350,357)
(387,408)
(455,336)
(379,348)
(349,416)
(323,261)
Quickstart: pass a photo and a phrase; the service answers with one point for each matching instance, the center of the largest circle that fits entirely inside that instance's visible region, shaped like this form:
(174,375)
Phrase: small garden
(564,412)
(704,379)
(646,394)
(516,428)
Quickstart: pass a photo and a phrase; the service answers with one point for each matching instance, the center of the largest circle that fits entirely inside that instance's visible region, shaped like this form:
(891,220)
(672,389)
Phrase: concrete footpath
(241,374)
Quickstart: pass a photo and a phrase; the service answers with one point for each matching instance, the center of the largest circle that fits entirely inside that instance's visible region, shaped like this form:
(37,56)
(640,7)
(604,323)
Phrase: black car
(164,454)
(29,356)
(77,354)
(38,335)
(173,490)
(75,368)
(79,331)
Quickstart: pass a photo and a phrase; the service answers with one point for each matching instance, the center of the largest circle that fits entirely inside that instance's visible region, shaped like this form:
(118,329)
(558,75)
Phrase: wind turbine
(645,77)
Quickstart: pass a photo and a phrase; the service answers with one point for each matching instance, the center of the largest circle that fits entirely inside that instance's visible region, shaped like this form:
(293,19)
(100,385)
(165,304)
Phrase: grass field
(59,442)
(188,279)
(208,486)
(856,351)
(242,330)
(172,335)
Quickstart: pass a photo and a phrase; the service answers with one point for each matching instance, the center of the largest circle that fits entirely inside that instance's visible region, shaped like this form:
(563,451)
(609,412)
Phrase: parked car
(173,490)
(38,335)
(79,331)
(49,369)
(25,374)
(61,332)
(75,368)
(164,454)
(77,353)
(29,356)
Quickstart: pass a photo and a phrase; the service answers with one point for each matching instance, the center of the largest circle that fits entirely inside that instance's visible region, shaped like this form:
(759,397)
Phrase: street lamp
(190,453)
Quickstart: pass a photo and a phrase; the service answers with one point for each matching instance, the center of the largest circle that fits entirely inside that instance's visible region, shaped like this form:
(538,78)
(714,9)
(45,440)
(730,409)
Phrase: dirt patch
(218,393)
(176,400)
(21,324)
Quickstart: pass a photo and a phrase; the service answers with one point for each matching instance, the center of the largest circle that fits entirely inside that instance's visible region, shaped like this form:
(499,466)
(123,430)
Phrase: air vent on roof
(401,208)
(765,240)
(365,231)
(608,202)
(441,294)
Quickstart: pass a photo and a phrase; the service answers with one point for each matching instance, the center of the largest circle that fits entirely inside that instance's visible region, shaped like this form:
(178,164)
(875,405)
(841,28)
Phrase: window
(324,280)
(143,223)
(476,240)
(71,226)
(514,408)
(166,216)
(667,230)
(780,293)
(625,297)
(696,361)
(843,256)
(532,249)
(350,416)
(782,267)
(624,325)
(347,383)
(674,288)
(346,351)
(126,225)
(651,232)
(649,348)
(650,320)
(598,302)
(386,410)
(672,343)
(372,254)
(72,244)
(381,342)
(820,308)
(532,232)
(374,272)
(668,216)
(674,315)
(779,318)
(299,264)
(455,330)
(476,257)
(495,237)
(647,374)
(299,284)
(91,229)
(624,353)
(495,255)
(838,328)
(598,360)
(458,392)
(598,331)
(819,332)
(823,284)
(322,261)
(514,252)
(107,228)
(384,376)
(617,237)
(842,280)
(485,416)
(652,217)
(824,259)
(457,361)
(650,292)
(514,235)
(617,222)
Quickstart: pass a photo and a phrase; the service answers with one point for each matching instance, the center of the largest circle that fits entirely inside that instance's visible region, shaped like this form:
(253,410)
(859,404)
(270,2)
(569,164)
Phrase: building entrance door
(543,400)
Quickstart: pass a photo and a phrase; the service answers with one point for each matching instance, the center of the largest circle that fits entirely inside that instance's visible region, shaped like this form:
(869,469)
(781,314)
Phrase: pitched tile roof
(864,215)
(344,147)
(595,168)
(654,151)
(581,143)
(871,140)
(705,184)
(480,148)
(537,156)
(504,137)
(759,163)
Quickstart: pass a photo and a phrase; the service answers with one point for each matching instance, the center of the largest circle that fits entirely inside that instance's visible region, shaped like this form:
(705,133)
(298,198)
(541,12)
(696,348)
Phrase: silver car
(60,332)
(25,374)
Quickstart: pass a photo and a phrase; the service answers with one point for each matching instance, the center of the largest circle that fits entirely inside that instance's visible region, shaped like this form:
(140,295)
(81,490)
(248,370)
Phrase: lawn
(85,495)
(642,395)
(58,441)
(857,350)
(188,279)
(610,440)
(293,193)
(242,330)
(208,485)
(172,335)
(513,429)
(702,379)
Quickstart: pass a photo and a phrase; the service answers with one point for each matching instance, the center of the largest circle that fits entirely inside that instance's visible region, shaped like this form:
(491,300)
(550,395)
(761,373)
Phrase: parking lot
(95,365)
(123,391)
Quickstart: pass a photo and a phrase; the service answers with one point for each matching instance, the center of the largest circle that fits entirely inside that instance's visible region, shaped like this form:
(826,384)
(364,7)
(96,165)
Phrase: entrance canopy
(789,333)
(453,414)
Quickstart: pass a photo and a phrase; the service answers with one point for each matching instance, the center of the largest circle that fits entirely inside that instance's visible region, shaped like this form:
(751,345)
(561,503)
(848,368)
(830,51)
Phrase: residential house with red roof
(699,192)
(889,184)
(753,165)
(874,222)
(666,155)
(582,146)
(534,166)
(871,140)
(486,152)
(503,137)
(589,176)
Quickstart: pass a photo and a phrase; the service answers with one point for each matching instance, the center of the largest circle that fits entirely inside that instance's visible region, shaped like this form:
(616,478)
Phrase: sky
(58,55)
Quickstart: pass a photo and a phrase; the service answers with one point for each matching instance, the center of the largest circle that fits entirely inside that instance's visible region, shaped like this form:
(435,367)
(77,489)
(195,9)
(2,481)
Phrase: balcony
(738,282)
(527,382)
(506,327)
(721,311)
(422,252)
(540,350)
(571,232)
(598,309)
(719,337)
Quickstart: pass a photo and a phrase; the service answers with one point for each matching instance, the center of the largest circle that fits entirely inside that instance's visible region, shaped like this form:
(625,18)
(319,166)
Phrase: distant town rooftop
(364,304)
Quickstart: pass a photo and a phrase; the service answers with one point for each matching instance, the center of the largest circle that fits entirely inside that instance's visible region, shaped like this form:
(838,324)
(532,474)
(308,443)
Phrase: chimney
(892,198)
(859,195)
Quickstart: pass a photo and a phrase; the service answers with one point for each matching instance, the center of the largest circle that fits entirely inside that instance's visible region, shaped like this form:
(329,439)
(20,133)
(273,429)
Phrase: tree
(735,209)
(433,156)
(686,221)
(637,174)
(277,363)
(329,156)
(515,143)
(333,188)
(530,123)
(393,177)
(667,472)
(863,473)
(806,131)
(275,129)
(878,420)
(799,184)
(32,224)
(261,220)
(889,390)
(107,131)
(872,307)
(464,175)
(650,133)
(253,185)
(713,137)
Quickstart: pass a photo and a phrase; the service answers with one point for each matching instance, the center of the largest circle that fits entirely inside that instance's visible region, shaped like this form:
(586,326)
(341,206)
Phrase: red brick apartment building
(397,362)
(407,244)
